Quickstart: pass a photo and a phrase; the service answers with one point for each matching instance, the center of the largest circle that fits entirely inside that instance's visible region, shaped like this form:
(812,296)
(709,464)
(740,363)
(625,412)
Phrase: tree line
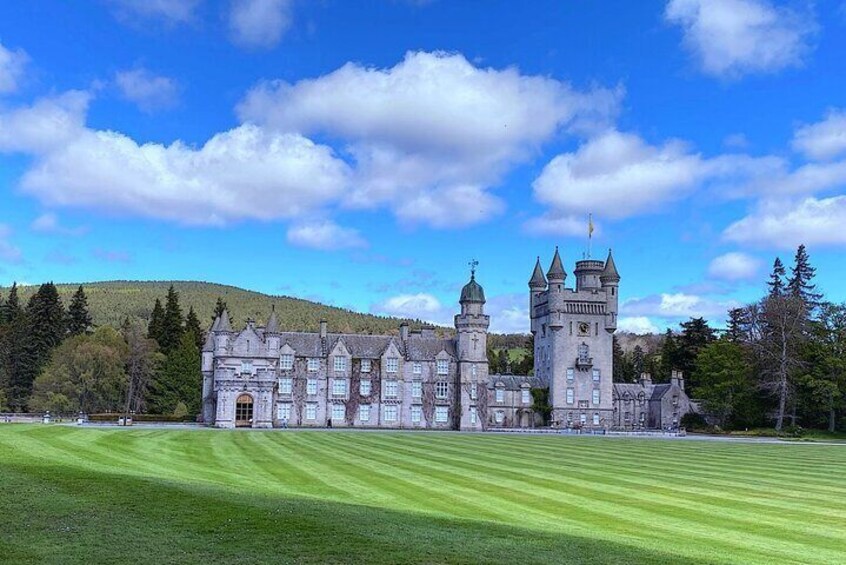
(53,358)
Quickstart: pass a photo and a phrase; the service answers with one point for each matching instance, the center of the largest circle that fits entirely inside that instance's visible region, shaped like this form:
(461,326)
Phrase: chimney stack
(677,379)
(323,329)
(645,379)
(404,331)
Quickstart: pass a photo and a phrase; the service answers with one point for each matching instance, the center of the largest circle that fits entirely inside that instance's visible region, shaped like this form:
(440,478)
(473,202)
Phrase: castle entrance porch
(244,411)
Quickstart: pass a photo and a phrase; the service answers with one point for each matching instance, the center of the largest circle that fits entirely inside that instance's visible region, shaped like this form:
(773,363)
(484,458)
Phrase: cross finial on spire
(473,264)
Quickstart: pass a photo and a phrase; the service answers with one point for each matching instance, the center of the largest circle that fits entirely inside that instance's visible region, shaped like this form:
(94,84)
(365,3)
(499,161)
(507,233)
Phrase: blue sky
(361,153)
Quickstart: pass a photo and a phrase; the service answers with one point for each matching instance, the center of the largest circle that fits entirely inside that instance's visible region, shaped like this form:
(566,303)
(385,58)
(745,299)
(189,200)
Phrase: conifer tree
(79,319)
(776,282)
(799,285)
(180,380)
(738,321)
(154,328)
(219,308)
(669,356)
(11,308)
(172,323)
(192,326)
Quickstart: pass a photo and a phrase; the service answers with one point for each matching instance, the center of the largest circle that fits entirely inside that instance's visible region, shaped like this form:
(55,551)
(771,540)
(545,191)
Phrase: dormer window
(286,361)
(392,364)
(443,367)
(340,364)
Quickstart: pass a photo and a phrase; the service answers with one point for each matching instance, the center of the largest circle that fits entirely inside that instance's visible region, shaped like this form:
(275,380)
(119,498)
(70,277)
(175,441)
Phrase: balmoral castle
(263,377)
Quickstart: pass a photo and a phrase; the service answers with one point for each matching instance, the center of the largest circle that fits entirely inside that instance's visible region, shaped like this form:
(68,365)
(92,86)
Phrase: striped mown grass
(158,496)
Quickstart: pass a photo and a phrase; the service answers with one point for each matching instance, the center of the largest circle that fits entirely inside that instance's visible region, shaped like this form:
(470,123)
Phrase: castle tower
(471,335)
(537,286)
(610,280)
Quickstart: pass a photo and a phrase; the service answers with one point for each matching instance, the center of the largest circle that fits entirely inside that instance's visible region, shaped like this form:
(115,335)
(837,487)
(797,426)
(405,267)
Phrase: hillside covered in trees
(111,303)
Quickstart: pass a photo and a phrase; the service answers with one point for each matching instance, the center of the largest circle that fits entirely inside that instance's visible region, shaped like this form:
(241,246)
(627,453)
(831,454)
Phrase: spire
(556,269)
(537,280)
(224,325)
(273,322)
(216,325)
(609,273)
(209,344)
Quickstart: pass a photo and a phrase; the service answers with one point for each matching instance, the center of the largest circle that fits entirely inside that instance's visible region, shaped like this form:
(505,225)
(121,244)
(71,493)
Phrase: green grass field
(165,496)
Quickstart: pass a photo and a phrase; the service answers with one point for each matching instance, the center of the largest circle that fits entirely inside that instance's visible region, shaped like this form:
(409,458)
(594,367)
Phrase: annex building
(262,377)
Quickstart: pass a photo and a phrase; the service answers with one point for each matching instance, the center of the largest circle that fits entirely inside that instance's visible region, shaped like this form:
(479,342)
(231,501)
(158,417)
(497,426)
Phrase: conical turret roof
(556,269)
(609,273)
(537,280)
(215,325)
(272,323)
(224,325)
(209,344)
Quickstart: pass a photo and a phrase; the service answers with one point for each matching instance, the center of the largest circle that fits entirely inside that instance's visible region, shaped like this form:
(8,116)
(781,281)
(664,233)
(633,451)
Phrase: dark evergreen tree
(180,380)
(638,364)
(219,308)
(669,357)
(79,319)
(799,285)
(11,308)
(738,321)
(776,282)
(619,361)
(154,328)
(172,323)
(192,326)
(695,335)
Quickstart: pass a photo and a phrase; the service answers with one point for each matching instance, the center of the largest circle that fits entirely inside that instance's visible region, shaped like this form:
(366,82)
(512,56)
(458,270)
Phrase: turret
(587,274)
(556,274)
(610,280)
(471,337)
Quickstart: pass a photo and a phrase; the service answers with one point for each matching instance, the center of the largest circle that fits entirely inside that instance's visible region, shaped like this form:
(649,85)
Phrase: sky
(362,153)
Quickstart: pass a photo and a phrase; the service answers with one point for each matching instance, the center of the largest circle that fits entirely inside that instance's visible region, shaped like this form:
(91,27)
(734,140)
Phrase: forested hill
(110,302)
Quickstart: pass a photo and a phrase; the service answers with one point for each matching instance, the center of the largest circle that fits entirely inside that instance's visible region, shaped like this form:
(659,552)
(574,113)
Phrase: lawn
(99,495)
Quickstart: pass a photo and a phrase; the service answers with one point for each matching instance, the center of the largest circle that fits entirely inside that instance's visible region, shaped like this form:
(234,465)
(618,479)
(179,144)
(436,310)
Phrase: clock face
(584,328)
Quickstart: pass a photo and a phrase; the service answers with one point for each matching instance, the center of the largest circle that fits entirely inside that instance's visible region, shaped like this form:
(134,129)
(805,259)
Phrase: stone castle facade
(263,377)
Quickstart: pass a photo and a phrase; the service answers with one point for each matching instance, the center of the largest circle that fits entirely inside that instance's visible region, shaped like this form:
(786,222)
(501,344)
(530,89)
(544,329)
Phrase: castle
(262,377)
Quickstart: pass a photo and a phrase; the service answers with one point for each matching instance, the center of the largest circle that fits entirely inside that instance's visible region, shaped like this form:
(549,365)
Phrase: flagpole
(590,233)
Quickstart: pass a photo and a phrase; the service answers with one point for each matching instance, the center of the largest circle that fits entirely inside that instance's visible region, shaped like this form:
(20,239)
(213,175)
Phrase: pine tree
(776,283)
(79,320)
(154,328)
(695,335)
(738,321)
(669,356)
(638,364)
(180,380)
(172,323)
(11,309)
(192,326)
(219,308)
(799,285)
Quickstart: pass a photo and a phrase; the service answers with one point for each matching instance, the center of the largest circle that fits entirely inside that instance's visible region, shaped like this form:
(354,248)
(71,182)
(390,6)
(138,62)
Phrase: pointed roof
(609,273)
(209,344)
(472,291)
(537,280)
(272,323)
(216,325)
(224,325)
(556,269)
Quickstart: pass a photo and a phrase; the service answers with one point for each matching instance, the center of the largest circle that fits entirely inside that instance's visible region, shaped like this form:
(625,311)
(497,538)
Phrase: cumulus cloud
(509,313)
(731,38)
(170,12)
(637,325)
(259,23)
(623,175)
(734,266)
(553,223)
(148,91)
(8,252)
(823,140)
(423,306)
(434,129)
(786,224)
(46,125)
(325,235)
(675,306)
(49,223)
(12,64)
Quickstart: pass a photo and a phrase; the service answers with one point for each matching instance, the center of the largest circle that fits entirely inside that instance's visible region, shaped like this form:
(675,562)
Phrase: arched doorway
(244,411)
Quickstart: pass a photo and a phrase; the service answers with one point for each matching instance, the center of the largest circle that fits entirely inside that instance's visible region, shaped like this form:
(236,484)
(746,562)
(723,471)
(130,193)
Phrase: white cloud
(8,252)
(637,325)
(259,23)
(822,140)
(622,175)
(786,224)
(324,234)
(49,223)
(12,64)
(170,12)
(46,125)
(734,266)
(557,224)
(434,130)
(674,306)
(509,313)
(149,91)
(731,38)
(421,306)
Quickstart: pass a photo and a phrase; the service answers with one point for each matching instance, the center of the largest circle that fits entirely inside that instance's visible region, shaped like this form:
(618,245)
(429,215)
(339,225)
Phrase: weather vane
(473,264)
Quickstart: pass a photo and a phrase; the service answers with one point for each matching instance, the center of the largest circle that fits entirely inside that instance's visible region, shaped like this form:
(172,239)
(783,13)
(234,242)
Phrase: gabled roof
(556,269)
(516,382)
(537,280)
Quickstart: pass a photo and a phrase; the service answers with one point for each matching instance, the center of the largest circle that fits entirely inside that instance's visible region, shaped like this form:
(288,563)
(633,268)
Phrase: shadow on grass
(68,515)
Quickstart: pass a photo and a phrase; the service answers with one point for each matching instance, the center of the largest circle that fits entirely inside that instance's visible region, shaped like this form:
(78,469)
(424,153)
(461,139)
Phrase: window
(500,395)
(246,367)
(441,389)
(416,389)
(443,367)
(311,411)
(571,374)
(417,367)
(473,370)
(569,396)
(595,397)
(390,413)
(595,418)
(499,417)
(675,400)
(596,376)
(286,361)
(583,419)
(391,388)
(474,392)
(338,411)
(339,387)
(584,354)
(392,364)
(440,414)
(364,387)
(642,417)
(311,386)
(283,412)
(416,414)
(473,415)
(340,364)
(285,385)
(364,412)
(313,364)
(365,365)
(525,396)
(640,398)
